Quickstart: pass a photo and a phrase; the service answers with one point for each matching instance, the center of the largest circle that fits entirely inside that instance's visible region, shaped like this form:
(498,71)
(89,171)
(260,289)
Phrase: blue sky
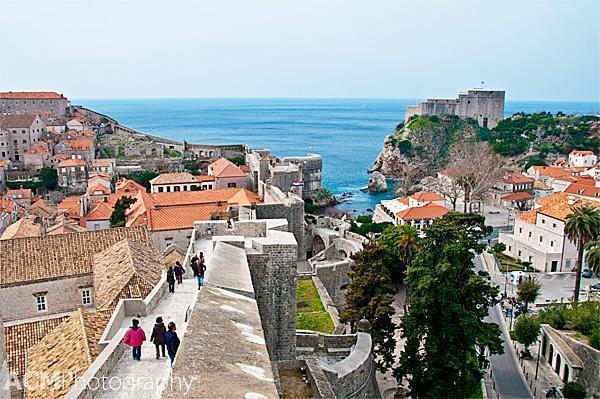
(544,50)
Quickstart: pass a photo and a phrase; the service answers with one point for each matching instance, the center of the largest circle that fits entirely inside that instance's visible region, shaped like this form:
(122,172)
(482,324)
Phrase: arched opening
(318,244)
(342,254)
(544,345)
(551,354)
(566,374)
(558,364)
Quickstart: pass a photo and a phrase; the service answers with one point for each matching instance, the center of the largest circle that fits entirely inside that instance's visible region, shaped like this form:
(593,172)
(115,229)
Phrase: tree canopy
(526,331)
(528,291)
(444,330)
(118,217)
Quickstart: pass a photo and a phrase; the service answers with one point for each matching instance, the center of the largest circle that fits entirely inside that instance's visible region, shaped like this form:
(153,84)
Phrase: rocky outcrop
(419,148)
(377,183)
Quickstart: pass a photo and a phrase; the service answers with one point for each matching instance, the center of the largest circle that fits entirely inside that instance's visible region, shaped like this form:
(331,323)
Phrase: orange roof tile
(26,95)
(85,145)
(517,178)
(582,152)
(102,211)
(518,196)
(429,211)
(557,206)
(98,188)
(200,197)
(173,178)
(72,162)
(4,162)
(225,168)
(552,171)
(19,193)
(205,178)
(583,190)
(182,217)
(426,196)
(64,228)
(37,150)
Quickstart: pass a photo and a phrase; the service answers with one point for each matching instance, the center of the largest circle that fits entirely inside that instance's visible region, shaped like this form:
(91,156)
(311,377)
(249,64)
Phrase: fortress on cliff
(485,106)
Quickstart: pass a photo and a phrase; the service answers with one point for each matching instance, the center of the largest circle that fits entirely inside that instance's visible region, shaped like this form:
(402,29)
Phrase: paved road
(510,382)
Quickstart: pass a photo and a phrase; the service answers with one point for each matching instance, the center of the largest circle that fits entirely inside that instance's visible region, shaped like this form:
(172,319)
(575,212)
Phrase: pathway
(146,378)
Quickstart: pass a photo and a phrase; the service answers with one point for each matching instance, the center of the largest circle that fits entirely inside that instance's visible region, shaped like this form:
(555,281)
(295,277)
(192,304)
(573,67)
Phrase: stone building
(23,131)
(72,176)
(65,282)
(4,376)
(484,105)
(311,172)
(37,157)
(172,182)
(44,102)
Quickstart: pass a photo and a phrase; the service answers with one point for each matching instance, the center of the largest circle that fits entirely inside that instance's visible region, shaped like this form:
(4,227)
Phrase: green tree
(444,328)
(573,390)
(144,178)
(527,328)
(402,242)
(527,292)
(118,218)
(370,295)
(593,255)
(49,178)
(498,248)
(582,227)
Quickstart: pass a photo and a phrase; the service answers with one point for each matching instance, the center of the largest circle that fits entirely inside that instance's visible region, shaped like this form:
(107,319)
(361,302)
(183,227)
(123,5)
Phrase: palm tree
(408,244)
(593,255)
(583,226)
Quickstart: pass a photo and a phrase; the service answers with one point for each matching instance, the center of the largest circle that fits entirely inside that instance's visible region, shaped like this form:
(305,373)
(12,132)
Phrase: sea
(348,133)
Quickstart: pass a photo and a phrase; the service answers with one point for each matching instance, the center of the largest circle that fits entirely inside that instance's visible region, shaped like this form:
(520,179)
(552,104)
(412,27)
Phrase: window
(231,185)
(520,230)
(530,258)
(509,248)
(553,224)
(543,221)
(40,301)
(519,253)
(551,243)
(86,297)
(160,189)
(24,141)
(541,239)
(530,234)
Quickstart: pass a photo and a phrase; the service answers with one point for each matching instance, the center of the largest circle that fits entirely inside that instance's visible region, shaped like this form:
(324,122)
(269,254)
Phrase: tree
(476,169)
(401,243)
(498,248)
(145,177)
(573,390)
(49,178)
(526,331)
(370,295)
(593,255)
(527,291)
(444,328)
(583,226)
(118,217)
(448,186)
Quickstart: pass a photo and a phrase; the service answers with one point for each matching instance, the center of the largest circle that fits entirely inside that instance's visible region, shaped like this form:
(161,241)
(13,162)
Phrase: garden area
(310,312)
(507,263)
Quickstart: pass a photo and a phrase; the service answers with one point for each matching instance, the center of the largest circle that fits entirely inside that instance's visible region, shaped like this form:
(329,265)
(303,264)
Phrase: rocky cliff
(419,148)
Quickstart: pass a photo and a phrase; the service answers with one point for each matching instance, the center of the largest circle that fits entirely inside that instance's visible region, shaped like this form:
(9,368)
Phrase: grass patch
(310,312)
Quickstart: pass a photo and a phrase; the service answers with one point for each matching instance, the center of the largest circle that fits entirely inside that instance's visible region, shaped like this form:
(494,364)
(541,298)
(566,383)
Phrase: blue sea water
(348,133)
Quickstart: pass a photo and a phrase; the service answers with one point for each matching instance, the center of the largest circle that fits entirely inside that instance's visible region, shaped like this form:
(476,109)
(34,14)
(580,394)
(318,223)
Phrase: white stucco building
(581,159)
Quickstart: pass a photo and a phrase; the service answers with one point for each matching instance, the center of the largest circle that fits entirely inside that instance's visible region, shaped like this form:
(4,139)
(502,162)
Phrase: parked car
(595,287)
(587,273)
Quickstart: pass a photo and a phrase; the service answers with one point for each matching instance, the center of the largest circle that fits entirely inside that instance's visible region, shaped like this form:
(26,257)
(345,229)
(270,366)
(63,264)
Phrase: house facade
(581,158)
(72,176)
(49,103)
(21,132)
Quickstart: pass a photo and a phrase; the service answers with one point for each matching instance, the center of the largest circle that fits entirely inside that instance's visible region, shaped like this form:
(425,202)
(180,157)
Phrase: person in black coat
(158,336)
(171,279)
(172,342)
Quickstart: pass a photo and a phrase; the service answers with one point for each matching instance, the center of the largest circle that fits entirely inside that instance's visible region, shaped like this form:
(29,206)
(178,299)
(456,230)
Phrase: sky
(535,50)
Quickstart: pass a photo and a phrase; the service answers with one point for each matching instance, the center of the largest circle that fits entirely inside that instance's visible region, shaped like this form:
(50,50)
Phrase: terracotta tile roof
(557,206)
(225,168)
(37,150)
(69,349)
(69,203)
(17,121)
(6,205)
(125,270)
(103,162)
(582,152)
(584,190)
(171,258)
(200,197)
(429,211)
(81,144)
(552,171)
(34,95)
(21,337)
(19,193)
(102,211)
(205,178)
(518,196)
(64,228)
(98,188)
(517,178)
(4,162)
(449,172)
(182,217)
(128,185)
(62,255)
(72,162)
(22,228)
(426,196)
(61,157)
(173,178)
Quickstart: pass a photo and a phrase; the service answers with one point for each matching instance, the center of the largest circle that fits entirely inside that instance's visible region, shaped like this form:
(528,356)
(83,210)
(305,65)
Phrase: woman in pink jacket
(135,337)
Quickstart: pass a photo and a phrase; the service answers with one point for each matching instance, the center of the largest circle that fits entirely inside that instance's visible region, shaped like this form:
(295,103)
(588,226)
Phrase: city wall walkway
(148,377)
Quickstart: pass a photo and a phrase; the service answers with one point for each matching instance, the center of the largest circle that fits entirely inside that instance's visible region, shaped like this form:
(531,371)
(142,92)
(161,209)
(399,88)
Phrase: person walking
(201,270)
(179,270)
(158,336)
(194,264)
(171,279)
(135,337)
(172,341)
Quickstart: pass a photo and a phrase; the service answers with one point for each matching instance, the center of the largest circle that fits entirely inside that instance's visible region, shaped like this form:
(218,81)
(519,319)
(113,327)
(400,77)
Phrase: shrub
(595,338)
(573,390)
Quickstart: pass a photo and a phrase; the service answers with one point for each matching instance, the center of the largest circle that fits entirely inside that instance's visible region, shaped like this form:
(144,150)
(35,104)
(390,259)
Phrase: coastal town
(94,213)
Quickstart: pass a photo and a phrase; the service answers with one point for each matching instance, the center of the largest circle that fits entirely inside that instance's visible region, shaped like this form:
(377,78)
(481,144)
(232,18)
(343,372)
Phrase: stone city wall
(589,376)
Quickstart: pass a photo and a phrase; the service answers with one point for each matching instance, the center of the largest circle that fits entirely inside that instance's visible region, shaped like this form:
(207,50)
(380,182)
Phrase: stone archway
(318,244)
